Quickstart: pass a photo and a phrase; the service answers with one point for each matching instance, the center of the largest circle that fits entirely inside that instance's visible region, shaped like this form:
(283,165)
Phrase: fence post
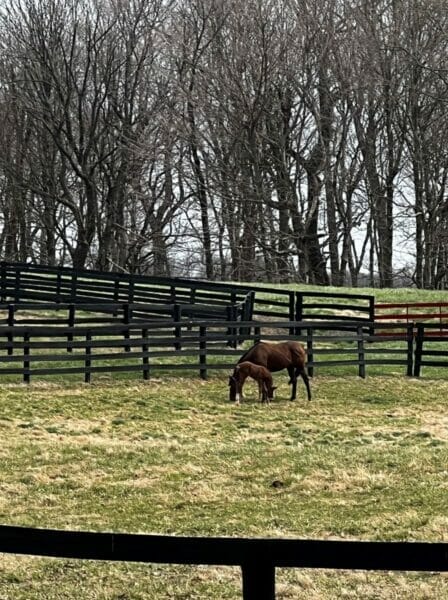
(117,290)
(3,282)
(361,355)
(291,312)
(410,340)
(258,581)
(372,309)
(131,290)
(203,351)
(88,362)
(419,349)
(26,357)
(309,349)
(245,315)
(17,285)
(250,303)
(145,355)
(11,316)
(299,311)
(71,323)
(126,321)
(74,286)
(177,316)
(234,317)
(235,329)
(58,287)
(231,331)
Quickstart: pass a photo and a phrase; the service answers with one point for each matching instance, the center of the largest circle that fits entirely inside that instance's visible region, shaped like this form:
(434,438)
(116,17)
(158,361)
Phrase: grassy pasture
(367,459)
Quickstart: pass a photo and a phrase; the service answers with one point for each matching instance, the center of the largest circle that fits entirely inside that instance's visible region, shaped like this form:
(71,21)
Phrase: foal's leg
(239,388)
(260,391)
(265,393)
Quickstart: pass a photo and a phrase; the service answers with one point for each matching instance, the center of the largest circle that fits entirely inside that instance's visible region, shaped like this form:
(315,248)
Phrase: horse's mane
(243,357)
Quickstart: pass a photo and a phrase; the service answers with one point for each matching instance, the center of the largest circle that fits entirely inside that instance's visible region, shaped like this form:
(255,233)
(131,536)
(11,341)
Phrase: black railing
(95,317)
(20,282)
(258,558)
(166,344)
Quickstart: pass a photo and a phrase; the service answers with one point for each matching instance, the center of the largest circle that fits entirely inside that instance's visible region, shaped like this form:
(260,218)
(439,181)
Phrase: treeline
(284,140)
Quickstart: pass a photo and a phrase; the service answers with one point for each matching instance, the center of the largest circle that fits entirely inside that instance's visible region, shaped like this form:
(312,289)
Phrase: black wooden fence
(25,282)
(60,321)
(258,558)
(144,346)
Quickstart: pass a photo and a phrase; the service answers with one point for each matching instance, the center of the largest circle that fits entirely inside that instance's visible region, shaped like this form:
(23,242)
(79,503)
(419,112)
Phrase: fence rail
(412,313)
(258,558)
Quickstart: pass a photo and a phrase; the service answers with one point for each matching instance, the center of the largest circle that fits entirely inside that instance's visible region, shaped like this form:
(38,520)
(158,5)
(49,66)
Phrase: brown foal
(261,374)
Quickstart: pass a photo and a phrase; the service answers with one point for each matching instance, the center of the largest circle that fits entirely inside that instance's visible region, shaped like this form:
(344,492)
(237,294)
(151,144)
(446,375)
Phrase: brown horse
(247,369)
(276,357)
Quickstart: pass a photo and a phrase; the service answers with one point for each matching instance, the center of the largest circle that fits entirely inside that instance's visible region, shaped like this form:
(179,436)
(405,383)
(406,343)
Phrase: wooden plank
(407,304)
(322,554)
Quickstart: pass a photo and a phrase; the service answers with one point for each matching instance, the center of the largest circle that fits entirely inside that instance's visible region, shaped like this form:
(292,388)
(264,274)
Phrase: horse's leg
(291,375)
(294,389)
(306,381)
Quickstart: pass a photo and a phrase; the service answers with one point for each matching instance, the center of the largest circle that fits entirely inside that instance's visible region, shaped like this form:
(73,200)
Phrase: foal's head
(234,386)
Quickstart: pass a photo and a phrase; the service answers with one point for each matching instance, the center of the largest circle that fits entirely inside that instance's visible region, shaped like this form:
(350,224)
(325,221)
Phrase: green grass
(381,294)
(366,459)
